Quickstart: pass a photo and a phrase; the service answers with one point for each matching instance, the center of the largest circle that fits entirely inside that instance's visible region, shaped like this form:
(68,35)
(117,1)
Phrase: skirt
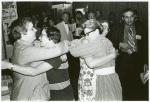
(108,88)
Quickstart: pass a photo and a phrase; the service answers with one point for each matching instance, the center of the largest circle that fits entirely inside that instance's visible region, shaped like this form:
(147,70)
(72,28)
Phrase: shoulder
(59,24)
(20,47)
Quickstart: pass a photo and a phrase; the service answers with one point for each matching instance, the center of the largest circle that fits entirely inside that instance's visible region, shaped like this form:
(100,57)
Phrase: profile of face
(91,34)
(51,23)
(45,41)
(91,16)
(129,18)
(31,32)
(65,17)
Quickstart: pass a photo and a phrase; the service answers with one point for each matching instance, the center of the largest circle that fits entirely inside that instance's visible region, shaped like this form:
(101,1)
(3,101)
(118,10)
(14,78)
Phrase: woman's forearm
(32,71)
(98,61)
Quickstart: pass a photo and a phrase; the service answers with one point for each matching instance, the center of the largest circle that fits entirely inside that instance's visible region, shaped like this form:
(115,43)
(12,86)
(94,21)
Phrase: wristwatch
(12,66)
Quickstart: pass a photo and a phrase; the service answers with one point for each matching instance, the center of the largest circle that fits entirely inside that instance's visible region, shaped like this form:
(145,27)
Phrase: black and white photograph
(74,50)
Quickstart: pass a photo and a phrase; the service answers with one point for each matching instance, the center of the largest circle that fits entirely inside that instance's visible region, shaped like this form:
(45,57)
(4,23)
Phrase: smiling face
(128,18)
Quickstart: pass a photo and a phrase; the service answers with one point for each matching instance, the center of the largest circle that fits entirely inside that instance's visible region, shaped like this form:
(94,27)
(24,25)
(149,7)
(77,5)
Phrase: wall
(117,8)
(34,7)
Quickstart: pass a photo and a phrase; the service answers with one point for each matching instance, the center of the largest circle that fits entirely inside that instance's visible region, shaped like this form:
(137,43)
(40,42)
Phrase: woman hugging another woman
(56,68)
(98,80)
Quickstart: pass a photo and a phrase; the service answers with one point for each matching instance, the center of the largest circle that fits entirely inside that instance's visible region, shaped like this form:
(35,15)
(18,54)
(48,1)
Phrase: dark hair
(50,18)
(90,11)
(53,34)
(112,13)
(44,12)
(82,34)
(102,21)
(70,20)
(79,12)
(127,10)
(17,27)
(136,12)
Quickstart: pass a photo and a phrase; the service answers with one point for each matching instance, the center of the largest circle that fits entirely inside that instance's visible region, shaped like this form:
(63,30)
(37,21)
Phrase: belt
(59,86)
(105,71)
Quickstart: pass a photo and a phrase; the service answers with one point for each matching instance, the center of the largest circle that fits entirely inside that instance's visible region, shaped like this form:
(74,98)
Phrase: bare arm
(98,61)
(27,70)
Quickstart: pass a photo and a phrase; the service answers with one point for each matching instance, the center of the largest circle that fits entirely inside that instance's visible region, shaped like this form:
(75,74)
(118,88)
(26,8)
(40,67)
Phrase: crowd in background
(128,63)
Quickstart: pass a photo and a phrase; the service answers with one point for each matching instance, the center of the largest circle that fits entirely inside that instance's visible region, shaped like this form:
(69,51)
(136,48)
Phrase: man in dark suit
(130,38)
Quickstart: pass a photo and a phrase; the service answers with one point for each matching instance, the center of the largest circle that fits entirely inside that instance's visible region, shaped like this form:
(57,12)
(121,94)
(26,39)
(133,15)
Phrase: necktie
(66,22)
(131,41)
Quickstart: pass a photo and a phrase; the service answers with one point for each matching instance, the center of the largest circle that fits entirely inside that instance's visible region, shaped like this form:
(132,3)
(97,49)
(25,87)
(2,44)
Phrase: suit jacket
(63,32)
(118,35)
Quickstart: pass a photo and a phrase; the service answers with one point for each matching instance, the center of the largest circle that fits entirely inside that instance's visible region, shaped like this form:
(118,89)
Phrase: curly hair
(17,27)
(53,34)
(127,10)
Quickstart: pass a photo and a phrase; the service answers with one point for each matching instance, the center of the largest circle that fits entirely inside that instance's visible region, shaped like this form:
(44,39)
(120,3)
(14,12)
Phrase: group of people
(109,67)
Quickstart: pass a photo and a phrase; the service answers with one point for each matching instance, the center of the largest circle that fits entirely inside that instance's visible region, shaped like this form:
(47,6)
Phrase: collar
(23,42)
(132,26)
(64,22)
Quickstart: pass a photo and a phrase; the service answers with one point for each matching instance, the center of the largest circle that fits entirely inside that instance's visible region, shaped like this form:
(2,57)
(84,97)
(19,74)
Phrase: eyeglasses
(89,32)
